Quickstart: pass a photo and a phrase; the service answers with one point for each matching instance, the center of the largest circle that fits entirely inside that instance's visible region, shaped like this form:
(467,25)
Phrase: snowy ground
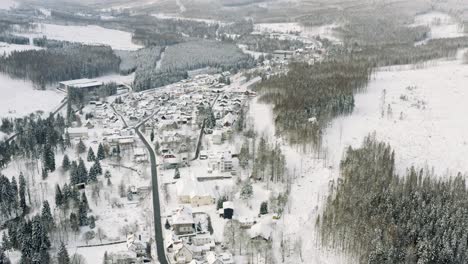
(179,17)
(432,101)
(310,179)
(86,34)
(324,31)
(442,25)
(7,4)
(6,49)
(425,125)
(19,98)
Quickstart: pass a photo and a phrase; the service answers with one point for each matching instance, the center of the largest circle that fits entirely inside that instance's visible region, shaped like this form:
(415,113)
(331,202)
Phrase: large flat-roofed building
(82,84)
(82,90)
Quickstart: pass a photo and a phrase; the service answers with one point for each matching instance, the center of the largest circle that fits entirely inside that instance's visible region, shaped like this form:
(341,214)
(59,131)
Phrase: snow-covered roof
(183,216)
(228,205)
(262,229)
(189,186)
(82,83)
(77,130)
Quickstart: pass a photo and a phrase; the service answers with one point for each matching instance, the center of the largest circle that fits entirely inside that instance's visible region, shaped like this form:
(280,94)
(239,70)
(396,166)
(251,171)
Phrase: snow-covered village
(226,132)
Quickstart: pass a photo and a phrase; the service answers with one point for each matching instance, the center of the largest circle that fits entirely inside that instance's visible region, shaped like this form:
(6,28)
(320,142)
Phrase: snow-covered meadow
(323,31)
(6,48)
(420,112)
(8,4)
(19,98)
(310,181)
(90,34)
(441,26)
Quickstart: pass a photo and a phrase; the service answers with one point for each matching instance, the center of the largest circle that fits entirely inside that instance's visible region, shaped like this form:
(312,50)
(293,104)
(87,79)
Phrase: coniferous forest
(70,61)
(307,97)
(382,217)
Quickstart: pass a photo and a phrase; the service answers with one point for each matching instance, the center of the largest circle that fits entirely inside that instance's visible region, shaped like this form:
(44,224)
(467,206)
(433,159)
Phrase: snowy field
(178,17)
(324,31)
(310,180)
(442,25)
(7,4)
(19,98)
(422,124)
(6,49)
(425,122)
(117,39)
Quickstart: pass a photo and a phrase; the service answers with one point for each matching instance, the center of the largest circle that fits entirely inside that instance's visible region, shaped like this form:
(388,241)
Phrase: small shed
(228,208)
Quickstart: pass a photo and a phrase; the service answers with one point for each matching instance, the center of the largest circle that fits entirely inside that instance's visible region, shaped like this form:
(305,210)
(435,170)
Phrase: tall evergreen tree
(22,193)
(65,163)
(74,222)
(82,214)
(59,199)
(46,217)
(100,154)
(81,147)
(82,172)
(91,156)
(62,255)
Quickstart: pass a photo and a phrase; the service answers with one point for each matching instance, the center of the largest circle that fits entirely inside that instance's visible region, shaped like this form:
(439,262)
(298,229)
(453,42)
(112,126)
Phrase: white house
(190,191)
(182,221)
(183,255)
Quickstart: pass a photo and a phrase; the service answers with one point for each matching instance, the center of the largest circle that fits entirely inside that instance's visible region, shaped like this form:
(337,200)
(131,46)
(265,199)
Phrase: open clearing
(19,98)
(93,35)
(6,49)
(423,113)
(441,25)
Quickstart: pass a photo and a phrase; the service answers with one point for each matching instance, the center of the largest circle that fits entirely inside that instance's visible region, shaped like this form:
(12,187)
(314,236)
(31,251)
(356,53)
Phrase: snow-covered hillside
(6,49)
(311,179)
(441,26)
(117,39)
(420,112)
(19,98)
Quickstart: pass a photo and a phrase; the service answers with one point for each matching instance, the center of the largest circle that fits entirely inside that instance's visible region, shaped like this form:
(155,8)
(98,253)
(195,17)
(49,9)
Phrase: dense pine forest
(307,97)
(381,217)
(180,58)
(12,39)
(70,61)
(141,59)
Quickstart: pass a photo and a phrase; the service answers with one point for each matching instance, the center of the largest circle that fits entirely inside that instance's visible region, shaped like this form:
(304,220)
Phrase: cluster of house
(191,241)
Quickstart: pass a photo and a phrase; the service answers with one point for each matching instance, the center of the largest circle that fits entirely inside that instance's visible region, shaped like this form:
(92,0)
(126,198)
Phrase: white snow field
(7,49)
(7,4)
(19,98)
(323,31)
(85,34)
(431,132)
(310,180)
(442,25)
(426,124)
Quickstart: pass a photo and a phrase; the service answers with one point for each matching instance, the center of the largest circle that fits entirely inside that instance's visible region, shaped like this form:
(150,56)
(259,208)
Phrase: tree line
(307,97)
(381,217)
(179,59)
(72,61)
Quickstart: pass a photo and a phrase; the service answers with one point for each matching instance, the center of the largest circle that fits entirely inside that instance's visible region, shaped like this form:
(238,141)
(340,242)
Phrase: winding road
(156,204)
